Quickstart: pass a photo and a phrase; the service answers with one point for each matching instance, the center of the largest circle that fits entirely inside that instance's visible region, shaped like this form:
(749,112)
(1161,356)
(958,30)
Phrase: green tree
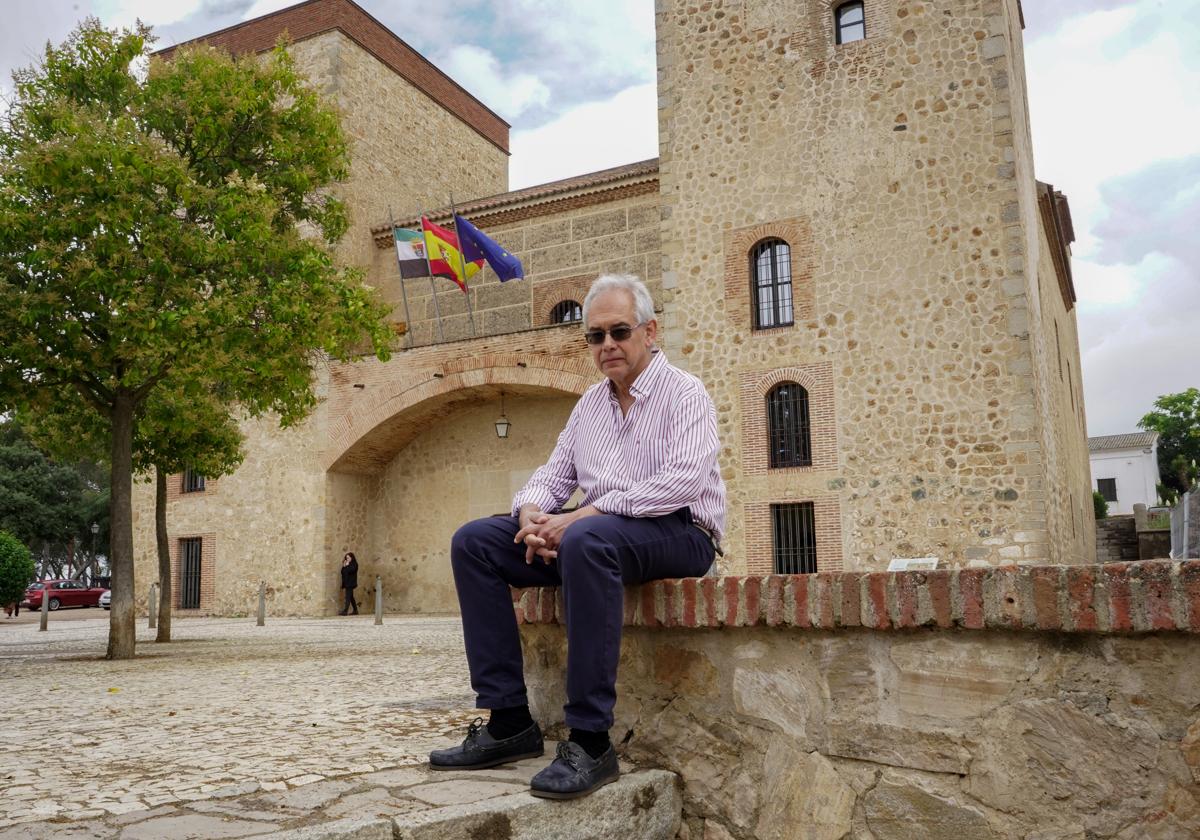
(49,504)
(16,568)
(176,226)
(1099,505)
(1176,418)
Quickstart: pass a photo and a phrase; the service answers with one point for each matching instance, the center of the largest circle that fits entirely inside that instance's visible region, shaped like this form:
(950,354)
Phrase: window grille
(193,482)
(189,577)
(789,435)
(1107,488)
(771,266)
(795,538)
(566,312)
(850,23)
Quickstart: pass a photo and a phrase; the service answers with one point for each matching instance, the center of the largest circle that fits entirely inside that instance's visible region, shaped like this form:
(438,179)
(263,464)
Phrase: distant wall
(1041,702)
(1116,539)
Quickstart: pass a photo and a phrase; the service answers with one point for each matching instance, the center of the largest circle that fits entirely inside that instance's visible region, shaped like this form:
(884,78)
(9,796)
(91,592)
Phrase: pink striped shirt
(658,458)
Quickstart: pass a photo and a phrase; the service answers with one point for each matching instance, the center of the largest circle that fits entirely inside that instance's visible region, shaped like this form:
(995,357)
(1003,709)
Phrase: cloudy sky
(1114,95)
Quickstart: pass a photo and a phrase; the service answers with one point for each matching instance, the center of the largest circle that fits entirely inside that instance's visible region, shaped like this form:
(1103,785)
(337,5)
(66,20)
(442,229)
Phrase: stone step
(641,805)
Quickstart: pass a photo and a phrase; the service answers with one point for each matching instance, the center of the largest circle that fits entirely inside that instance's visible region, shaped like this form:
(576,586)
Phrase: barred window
(1107,488)
(849,23)
(794,538)
(771,268)
(788,433)
(193,482)
(566,312)
(190,551)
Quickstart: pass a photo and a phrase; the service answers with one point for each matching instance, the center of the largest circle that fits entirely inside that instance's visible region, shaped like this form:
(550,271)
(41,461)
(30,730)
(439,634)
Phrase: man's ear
(652,330)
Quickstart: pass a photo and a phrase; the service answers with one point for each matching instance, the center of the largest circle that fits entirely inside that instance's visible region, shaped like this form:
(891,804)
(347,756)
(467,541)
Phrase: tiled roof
(1135,440)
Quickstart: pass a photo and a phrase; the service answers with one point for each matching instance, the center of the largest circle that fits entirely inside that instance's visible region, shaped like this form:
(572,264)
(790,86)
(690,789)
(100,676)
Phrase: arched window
(788,433)
(771,268)
(566,312)
(849,23)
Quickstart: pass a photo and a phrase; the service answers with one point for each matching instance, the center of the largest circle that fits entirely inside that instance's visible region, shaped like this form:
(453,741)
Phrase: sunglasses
(618,333)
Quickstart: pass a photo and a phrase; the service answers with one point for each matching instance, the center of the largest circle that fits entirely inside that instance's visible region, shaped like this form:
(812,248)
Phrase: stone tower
(931,322)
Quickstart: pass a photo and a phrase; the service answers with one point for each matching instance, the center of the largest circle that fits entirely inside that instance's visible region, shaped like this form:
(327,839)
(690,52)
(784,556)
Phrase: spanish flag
(445,259)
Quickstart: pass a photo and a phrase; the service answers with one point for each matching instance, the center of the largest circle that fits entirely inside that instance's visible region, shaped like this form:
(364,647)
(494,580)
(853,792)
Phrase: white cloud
(480,72)
(596,135)
(153,12)
(1112,96)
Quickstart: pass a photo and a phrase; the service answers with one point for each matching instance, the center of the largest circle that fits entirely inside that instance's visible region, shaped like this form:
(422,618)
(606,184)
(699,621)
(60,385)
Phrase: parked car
(62,593)
(106,599)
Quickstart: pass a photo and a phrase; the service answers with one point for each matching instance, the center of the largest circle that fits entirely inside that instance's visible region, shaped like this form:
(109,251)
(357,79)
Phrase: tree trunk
(122,637)
(164,556)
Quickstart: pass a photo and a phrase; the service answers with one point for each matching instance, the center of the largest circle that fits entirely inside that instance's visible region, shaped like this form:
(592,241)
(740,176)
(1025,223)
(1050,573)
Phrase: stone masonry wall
(404,147)
(562,252)
(1034,702)
(1116,539)
(893,159)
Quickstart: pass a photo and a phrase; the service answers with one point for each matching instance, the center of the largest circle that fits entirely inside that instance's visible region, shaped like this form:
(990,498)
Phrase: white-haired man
(642,447)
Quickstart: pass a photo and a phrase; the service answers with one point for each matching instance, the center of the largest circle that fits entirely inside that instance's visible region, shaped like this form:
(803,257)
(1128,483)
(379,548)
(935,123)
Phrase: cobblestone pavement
(228,713)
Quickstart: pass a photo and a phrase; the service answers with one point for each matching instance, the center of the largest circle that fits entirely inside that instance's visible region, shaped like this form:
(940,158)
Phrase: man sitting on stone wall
(642,447)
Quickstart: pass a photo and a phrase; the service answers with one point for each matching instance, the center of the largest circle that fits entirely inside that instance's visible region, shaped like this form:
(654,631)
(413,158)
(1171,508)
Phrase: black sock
(594,744)
(505,723)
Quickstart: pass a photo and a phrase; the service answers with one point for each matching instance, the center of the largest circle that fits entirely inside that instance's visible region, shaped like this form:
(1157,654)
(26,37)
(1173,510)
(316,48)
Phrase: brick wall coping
(1143,597)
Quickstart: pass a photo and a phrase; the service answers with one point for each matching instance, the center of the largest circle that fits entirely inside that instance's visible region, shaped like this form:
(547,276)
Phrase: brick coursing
(1146,597)
(175,489)
(208,563)
(760,545)
(739,305)
(817,380)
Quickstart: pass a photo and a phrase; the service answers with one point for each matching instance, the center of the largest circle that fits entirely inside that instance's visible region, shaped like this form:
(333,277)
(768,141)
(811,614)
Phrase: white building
(1125,469)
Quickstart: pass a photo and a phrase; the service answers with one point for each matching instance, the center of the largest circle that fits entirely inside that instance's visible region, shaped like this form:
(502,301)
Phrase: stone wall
(899,169)
(1042,702)
(1116,539)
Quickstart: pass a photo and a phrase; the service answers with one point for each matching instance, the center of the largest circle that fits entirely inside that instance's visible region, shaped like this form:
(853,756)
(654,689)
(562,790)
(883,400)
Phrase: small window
(190,551)
(788,432)
(849,23)
(566,312)
(771,268)
(794,538)
(193,482)
(1107,488)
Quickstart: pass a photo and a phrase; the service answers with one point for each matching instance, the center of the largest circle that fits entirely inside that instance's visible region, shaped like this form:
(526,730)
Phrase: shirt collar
(646,379)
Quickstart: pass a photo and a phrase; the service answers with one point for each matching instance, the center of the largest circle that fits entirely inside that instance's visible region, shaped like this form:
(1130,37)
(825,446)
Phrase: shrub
(16,568)
(1099,505)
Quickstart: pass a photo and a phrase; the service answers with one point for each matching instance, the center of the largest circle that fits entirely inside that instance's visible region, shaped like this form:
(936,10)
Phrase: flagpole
(462,263)
(432,290)
(408,327)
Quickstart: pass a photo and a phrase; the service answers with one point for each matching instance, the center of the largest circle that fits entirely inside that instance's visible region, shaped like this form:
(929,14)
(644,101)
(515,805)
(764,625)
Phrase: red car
(63,593)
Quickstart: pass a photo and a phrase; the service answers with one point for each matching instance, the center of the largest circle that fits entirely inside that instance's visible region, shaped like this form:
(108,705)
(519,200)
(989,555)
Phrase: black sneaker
(574,773)
(480,749)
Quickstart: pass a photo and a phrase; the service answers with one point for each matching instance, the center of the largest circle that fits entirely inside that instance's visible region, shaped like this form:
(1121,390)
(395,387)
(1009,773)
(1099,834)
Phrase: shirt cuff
(539,496)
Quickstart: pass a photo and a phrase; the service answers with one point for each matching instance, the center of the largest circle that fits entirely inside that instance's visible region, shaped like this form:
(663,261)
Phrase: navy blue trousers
(597,558)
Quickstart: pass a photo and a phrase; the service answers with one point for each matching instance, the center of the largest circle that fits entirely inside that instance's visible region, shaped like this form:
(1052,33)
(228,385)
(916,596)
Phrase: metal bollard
(45,605)
(378,599)
(153,605)
(262,603)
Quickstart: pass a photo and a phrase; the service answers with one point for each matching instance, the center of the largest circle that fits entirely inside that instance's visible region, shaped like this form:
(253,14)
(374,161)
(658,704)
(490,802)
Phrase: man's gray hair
(643,304)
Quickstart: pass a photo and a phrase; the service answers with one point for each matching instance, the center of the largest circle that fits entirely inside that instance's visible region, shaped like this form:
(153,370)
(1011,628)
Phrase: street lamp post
(95,531)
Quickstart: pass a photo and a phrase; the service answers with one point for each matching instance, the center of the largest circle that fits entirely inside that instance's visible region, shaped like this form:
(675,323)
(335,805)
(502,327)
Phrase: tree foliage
(1099,505)
(16,568)
(169,232)
(49,505)
(1176,418)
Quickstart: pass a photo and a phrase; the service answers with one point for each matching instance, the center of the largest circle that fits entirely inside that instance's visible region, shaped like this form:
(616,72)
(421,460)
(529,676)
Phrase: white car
(106,599)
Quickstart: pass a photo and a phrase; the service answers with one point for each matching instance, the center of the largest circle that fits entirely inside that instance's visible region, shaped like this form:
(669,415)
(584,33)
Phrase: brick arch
(817,379)
(363,438)
(739,244)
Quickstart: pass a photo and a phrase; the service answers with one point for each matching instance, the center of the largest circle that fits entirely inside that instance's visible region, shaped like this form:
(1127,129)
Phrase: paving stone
(462,791)
(89,829)
(376,802)
(194,827)
(310,797)
(131,817)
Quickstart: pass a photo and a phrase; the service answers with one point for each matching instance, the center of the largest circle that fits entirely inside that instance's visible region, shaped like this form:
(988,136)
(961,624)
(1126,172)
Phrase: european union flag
(476,245)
